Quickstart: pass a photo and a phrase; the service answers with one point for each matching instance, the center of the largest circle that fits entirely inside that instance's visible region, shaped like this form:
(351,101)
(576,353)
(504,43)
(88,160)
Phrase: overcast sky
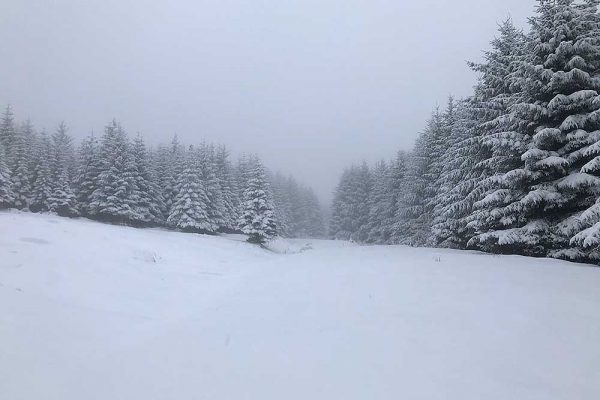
(309,85)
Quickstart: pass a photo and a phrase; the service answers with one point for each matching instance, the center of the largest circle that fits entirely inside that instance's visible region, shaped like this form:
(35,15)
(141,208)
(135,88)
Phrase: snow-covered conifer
(111,200)
(8,133)
(257,219)
(229,192)
(215,207)
(62,200)
(378,204)
(42,183)
(189,209)
(88,172)
(147,199)
(19,164)
(7,197)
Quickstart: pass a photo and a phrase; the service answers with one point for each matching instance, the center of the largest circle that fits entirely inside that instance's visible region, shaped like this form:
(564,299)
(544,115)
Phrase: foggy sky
(309,85)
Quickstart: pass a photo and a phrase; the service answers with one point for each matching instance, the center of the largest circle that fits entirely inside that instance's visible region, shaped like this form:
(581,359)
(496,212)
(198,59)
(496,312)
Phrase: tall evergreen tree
(459,175)
(215,207)
(378,204)
(282,205)
(396,188)
(189,209)
(229,196)
(7,197)
(257,219)
(174,167)
(559,103)
(350,210)
(111,200)
(42,183)
(501,140)
(8,133)
(19,163)
(88,172)
(415,213)
(62,200)
(147,204)
(315,226)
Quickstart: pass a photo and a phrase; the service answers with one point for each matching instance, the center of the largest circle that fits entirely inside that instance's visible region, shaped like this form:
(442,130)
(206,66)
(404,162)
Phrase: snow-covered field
(93,311)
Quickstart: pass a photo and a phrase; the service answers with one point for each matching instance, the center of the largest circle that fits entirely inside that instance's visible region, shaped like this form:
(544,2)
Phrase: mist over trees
(513,168)
(117,179)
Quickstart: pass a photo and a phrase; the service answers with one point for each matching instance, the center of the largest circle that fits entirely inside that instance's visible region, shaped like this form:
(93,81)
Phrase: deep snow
(93,311)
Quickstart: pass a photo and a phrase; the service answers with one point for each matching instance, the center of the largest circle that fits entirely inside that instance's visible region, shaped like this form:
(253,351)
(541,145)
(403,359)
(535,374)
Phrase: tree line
(120,180)
(514,167)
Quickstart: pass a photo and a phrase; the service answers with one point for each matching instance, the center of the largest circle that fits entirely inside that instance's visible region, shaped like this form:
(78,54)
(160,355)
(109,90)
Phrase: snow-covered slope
(93,311)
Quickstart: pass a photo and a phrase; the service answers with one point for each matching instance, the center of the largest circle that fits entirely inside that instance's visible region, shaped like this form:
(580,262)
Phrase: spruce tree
(88,172)
(173,169)
(7,197)
(42,184)
(458,177)
(257,219)
(227,182)
(147,202)
(8,133)
(396,188)
(282,205)
(111,200)
(189,209)
(19,163)
(315,227)
(560,103)
(378,204)
(415,212)
(62,200)
(214,207)
(500,140)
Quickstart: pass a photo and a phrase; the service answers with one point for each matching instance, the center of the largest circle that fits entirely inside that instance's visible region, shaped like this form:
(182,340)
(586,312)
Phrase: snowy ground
(92,311)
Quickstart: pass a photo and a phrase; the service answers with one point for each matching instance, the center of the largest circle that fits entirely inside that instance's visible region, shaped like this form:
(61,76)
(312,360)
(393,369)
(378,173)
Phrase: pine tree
(559,103)
(62,200)
(111,200)
(173,169)
(214,207)
(565,156)
(396,188)
(20,161)
(282,205)
(8,133)
(257,219)
(338,223)
(42,184)
(161,173)
(147,202)
(350,210)
(88,172)
(315,221)
(458,177)
(500,141)
(228,186)
(378,204)
(362,185)
(415,213)
(292,207)
(7,197)
(189,209)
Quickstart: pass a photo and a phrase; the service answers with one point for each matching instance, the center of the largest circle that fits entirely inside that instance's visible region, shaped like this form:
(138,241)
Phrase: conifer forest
(300,200)
(514,168)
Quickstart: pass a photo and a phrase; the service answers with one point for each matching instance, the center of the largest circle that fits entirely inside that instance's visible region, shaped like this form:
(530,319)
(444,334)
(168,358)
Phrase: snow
(94,311)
